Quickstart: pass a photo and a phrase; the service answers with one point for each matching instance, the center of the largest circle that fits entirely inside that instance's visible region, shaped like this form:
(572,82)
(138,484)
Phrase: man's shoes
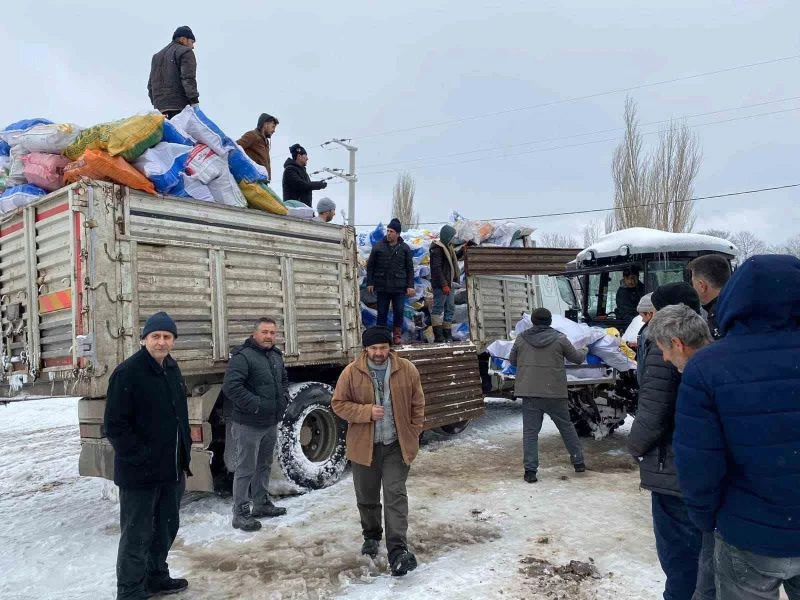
(438,334)
(397,335)
(447,332)
(267,509)
(370,547)
(530,477)
(242,519)
(403,562)
(166,586)
(580,467)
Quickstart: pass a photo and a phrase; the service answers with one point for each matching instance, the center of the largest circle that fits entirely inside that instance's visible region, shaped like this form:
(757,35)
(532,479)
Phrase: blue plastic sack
(5,149)
(173,136)
(593,360)
(377,234)
(26,124)
(18,196)
(243,169)
(163,164)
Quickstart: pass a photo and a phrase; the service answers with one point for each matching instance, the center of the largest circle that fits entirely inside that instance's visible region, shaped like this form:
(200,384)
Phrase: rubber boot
(242,519)
(447,332)
(397,336)
(438,334)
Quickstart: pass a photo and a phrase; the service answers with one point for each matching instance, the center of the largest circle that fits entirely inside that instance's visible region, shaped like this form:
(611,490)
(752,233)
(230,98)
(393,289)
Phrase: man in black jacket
(297,185)
(147,423)
(678,540)
(173,75)
(628,295)
(256,385)
(390,274)
(710,273)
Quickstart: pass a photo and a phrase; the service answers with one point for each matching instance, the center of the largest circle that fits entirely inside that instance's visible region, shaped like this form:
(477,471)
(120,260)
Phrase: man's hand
(324,184)
(446,290)
(371,289)
(377,413)
(410,292)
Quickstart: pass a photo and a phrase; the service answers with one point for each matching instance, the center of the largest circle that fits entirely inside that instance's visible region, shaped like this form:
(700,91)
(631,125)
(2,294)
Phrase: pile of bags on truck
(606,348)
(416,324)
(188,156)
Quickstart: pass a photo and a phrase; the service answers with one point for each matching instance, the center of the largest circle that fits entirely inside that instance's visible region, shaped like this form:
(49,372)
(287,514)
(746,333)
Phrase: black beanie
(679,292)
(266,118)
(183,31)
(395,225)
(160,321)
(296,149)
(541,316)
(376,335)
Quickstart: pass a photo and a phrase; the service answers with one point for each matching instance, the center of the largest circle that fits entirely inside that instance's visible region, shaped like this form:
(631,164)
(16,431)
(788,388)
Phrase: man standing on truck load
(710,273)
(629,294)
(678,540)
(737,432)
(541,381)
(390,274)
(256,385)
(444,273)
(173,75)
(257,142)
(380,396)
(326,210)
(147,422)
(297,185)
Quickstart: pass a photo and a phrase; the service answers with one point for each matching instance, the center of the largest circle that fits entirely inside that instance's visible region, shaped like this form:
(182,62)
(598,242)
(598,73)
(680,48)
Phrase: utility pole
(350,177)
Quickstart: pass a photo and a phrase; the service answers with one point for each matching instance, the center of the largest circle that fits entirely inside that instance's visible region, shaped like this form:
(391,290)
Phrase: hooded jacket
(257,147)
(443,262)
(538,354)
(737,438)
(297,185)
(173,78)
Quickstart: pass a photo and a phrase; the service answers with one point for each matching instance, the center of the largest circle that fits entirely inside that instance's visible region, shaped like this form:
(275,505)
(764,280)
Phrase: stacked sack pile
(416,325)
(189,156)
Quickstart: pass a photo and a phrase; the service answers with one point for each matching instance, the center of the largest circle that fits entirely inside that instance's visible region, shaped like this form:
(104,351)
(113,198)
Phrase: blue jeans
(742,575)
(398,302)
(678,543)
(443,305)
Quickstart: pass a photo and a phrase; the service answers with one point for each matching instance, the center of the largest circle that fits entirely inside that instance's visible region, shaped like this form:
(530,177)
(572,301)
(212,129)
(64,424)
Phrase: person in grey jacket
(541,381)
(173,75)
(256,390)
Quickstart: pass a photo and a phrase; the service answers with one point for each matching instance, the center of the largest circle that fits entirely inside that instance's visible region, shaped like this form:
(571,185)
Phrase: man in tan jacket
(380,395)
(257,142)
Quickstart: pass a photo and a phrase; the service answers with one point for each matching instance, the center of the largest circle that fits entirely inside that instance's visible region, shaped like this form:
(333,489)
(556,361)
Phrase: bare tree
(592,232)
(792,246)
(654,190)
(720,233)
(748,245)
(403,201)
(558,240)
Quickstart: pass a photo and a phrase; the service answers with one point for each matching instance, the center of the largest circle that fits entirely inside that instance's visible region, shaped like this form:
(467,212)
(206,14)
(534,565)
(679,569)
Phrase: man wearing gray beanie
(326,210)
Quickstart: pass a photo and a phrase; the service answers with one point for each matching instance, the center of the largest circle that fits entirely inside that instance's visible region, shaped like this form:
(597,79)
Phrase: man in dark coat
(257,142)
(147,423)
(737,437)
(628,295)
(538,355)
(173,75)
(678,541)
(256,387)
(297,185)
(444,273)
(710,273)
(390,274)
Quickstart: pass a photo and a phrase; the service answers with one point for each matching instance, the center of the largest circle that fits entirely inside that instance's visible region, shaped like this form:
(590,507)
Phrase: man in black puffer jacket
(678,540)
(256,395)
(147,423)
(173,75)
(390,274)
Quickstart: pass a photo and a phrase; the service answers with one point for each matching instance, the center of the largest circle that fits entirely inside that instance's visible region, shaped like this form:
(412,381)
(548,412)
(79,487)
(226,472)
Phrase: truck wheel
(583,428)
(453,428)
(311,438)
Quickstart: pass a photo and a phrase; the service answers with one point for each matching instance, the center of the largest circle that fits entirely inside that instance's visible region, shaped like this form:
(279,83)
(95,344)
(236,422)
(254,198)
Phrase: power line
(579,135)
(600,210)
(578,145)
(577,98)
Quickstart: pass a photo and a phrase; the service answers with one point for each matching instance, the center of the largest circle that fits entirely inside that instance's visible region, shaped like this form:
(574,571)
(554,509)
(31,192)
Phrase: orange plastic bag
(96,164)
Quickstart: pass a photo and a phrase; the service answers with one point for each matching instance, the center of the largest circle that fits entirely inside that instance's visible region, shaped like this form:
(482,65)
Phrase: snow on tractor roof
(640,240)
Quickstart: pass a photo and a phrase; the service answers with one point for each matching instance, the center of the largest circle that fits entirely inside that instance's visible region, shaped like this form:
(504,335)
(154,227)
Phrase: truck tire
(311,438)
(453,428)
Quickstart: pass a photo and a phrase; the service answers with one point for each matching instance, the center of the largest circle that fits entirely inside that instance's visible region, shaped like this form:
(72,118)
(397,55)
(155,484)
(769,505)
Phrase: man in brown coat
(380,395)
(256,142)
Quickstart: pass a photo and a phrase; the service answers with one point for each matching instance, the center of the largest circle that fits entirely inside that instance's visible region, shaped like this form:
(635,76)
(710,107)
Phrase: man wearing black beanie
(173,75)
(678,540)
(297,184)
(390,274)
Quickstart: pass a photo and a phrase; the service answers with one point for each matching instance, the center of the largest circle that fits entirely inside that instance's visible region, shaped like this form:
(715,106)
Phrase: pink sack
(44,170)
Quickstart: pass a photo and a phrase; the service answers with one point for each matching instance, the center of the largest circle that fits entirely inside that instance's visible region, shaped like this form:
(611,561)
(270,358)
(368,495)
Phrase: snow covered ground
(478,530)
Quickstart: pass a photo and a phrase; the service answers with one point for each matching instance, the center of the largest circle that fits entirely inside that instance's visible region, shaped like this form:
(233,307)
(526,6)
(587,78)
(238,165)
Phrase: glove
(324,184)
(446,290)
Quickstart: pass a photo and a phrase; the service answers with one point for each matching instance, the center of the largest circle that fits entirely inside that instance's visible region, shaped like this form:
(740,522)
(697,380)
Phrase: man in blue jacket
(737,433)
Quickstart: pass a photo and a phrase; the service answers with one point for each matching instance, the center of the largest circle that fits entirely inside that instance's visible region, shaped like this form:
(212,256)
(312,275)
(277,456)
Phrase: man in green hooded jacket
(444,273)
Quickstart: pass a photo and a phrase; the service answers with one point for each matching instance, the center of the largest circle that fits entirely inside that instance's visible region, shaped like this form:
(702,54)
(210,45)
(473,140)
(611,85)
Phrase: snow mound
(641,240)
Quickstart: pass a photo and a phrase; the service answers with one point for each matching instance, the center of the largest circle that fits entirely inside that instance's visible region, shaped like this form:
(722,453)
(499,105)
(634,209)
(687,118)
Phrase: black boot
(402,562)
(580,468)
(242,519)
(165,586)
(438,334)
(447,332)
(370,547)
(268,509)
(530,477)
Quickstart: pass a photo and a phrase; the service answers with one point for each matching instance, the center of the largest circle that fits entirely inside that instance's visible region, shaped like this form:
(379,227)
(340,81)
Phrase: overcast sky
(364,70)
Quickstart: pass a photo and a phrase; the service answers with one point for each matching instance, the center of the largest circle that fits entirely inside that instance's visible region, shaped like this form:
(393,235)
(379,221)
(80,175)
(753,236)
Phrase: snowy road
(478,530)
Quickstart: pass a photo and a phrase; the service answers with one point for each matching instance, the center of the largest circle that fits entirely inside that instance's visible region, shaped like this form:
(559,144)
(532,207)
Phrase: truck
(82,268)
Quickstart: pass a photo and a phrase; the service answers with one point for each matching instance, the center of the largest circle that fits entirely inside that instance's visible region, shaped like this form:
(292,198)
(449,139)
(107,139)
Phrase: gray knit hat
(646,304)
(325,204)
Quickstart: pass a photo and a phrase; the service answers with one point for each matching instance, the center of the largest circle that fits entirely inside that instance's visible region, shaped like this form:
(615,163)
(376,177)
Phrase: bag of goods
(193,188)
(195,124)
(5,149)
(51,139)
(133,136)
(173,135)
(298,209)
(11,133)
(45,170)
(20,195)
(16,170)
(226,191)
(96,164)
(204,164)
(244,169)
(93,138)
(163,164)
(259,195)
